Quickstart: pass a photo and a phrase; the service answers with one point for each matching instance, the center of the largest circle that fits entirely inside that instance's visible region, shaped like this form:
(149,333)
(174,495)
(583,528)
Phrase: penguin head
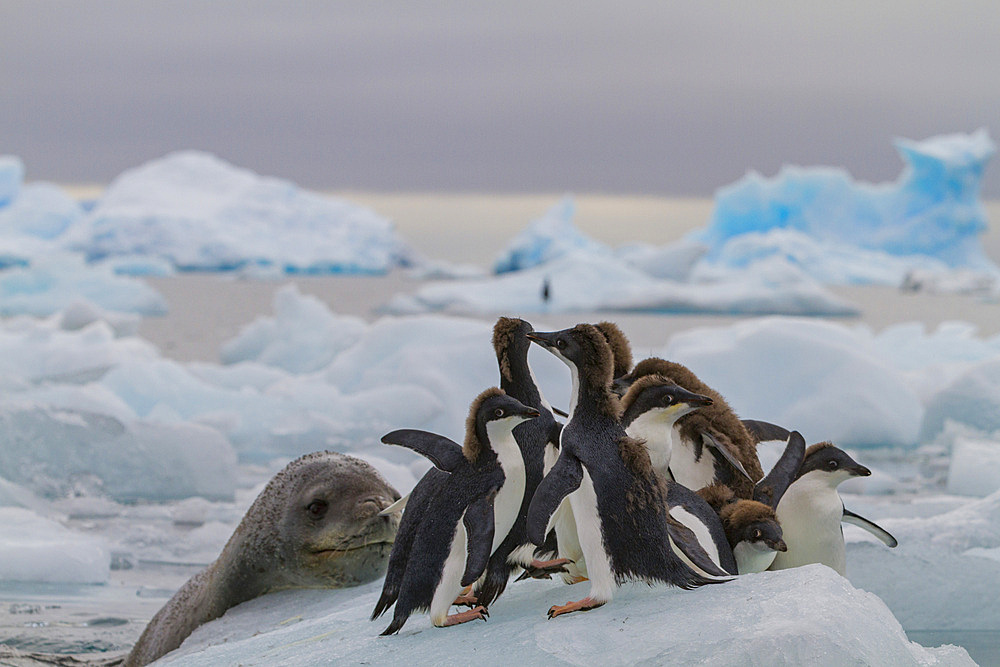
(764,535)
(491,410)
(753,523)
(823,460)
(657,395)
(510,342)
(582,346)
(621,350)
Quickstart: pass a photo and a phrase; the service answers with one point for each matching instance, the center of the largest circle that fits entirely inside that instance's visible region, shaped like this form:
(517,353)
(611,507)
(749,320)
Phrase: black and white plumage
(811,511)
(617,499)
(511,344)
(455,521)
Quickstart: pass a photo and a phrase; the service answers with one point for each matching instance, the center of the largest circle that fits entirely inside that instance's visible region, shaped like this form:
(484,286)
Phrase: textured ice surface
(202,213)
(581,281)
(548,238)
(794,617)
(932,210)
(37,549)
(975,467)
(60,451)
(939,576)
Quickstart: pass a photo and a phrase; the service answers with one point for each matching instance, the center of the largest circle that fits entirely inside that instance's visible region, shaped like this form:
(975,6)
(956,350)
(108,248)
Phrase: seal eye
(498,412)
(317,508)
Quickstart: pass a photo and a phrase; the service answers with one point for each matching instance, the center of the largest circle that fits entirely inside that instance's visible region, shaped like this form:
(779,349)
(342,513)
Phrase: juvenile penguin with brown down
(315,525)
(618,502)
(710,445)
(621,349)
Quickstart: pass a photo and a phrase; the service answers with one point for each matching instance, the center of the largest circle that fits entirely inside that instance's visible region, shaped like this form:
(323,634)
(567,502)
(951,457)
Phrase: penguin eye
(317,508)
(757,534)
(668,400)
(832,464)
(561,343)
(498,412)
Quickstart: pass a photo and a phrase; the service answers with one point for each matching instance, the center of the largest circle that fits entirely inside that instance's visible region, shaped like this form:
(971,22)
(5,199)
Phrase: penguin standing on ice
(709,446)
(811,511)
(511,344)
(449,535)
(617,499)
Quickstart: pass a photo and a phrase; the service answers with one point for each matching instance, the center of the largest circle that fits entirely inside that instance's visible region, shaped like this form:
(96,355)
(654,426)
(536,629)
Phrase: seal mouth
(333,553)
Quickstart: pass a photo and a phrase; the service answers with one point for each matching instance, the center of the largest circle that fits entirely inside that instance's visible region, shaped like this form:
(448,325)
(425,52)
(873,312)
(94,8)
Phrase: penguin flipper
(554,433)
(444,453)
(764,431)
(770,489)
(713,442)
(479,527)
(878,531)
(562,480)
(685,540)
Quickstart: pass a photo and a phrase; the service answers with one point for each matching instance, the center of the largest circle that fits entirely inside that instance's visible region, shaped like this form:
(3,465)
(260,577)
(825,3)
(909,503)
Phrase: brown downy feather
(648,488)
(621,350)
(639,386)
(717,495)
(503,334)
(597,367)
(812,449)
(473,446)
(717,419)
(742,512)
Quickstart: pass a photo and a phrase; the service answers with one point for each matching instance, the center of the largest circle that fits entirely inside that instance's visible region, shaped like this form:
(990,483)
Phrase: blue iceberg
(932,209)
(546,239)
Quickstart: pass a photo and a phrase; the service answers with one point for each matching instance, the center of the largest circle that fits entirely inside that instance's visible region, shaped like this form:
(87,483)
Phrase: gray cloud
(634,97)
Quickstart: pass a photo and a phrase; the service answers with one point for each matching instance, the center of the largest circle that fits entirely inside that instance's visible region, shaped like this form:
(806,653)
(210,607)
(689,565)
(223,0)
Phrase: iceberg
(975,467)
(11,176)
(202,213)
(932,211)
(807,615)
(546,239)
(36,549)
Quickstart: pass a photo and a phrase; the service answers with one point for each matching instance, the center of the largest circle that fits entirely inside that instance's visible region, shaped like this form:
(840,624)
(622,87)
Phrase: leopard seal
(315,525)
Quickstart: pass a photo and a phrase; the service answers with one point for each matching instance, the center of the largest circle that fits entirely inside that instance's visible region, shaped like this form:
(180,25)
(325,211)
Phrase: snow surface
(202,213)
(802,616)
(41,550)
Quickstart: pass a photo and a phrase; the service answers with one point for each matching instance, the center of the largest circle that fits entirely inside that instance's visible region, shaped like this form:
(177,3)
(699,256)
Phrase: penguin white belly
(694,474)
(657,432)
(507,503)
(703,536)
(583,501)
(451,576)
(753,557)
(810,513)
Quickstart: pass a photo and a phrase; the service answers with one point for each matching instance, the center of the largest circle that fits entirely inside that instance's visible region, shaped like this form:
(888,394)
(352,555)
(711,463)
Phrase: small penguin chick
(754,534)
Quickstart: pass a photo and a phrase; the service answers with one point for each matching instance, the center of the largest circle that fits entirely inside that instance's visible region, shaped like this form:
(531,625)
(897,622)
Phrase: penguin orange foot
(479,612)
(585,604)
(544,569)
(465,598)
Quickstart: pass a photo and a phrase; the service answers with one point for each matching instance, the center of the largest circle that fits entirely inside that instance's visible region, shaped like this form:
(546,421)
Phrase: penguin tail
(397,623)
(384,602)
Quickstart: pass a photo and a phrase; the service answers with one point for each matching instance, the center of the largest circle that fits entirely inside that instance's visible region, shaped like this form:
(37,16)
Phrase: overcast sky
(519,96)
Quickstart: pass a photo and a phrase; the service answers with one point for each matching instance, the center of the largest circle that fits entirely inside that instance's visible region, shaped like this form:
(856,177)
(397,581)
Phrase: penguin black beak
(860,471)
(620,385)
(777,545)
(531,413)
(692,399)
(542,338)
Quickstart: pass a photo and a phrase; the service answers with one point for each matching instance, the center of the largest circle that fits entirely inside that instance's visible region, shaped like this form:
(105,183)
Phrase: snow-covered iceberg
(202,213)
(930,218)
(548,238)
(807,615)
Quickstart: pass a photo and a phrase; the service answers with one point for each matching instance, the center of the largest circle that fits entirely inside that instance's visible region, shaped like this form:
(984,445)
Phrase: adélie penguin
(450,534)
(811,511)
(511,344)
(618,501)
(710,445)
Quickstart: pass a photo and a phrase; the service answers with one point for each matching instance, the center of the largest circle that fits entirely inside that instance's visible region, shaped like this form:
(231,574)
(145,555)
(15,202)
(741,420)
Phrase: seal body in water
(315,525)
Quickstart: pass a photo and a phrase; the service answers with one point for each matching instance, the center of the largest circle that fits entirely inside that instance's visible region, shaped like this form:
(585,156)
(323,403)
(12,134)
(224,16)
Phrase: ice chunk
(972,399)
(975,467)
(11,176)
(674,261)
(56,452)
(590,282)
(202,213)
(800,616)
(932,209)
(821,378)
(37,549)
(55,281)
(550,237)
(303,336)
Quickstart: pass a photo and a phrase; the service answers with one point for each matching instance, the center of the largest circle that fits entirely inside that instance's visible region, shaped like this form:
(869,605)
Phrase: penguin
(618,501)
(751,526)
(454,524)
(621,349)
(511,344)
(715,430)
(811,511)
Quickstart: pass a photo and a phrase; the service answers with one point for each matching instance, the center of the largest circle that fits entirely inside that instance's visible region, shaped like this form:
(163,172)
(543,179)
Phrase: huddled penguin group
(651,477)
